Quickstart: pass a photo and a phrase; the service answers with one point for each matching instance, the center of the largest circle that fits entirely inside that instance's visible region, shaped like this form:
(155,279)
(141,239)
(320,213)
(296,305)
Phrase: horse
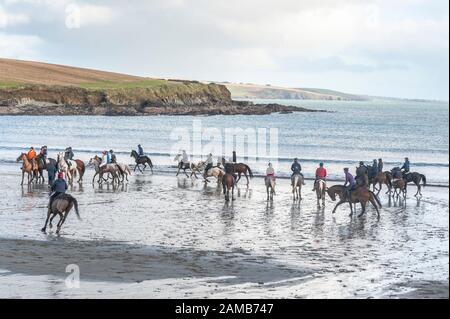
(28,167)
(380,179)
(228,182)
(320,187)
(416,178)
(112,169)
(297,181)
(400,187)
(182,166)
(71,169)
(197,168)
(239,169)
(360,195)
(61,206)
(141,160)
(216,172)
(270,186)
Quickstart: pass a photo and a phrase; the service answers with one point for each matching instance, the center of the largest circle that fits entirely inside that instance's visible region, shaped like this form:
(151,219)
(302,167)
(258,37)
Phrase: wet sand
(166,237)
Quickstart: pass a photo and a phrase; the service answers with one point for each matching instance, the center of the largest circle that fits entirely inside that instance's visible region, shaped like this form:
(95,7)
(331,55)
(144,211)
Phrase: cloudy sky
(380,47)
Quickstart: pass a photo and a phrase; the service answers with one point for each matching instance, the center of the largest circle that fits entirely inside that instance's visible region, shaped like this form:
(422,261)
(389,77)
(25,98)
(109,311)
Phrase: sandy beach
(165,237)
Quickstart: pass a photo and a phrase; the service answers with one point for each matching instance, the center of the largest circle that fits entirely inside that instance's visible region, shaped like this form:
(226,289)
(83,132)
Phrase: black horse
(417,179)
(141,160)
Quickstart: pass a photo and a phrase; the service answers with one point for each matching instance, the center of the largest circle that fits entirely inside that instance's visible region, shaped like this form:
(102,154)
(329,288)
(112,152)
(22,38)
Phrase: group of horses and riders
(356,189)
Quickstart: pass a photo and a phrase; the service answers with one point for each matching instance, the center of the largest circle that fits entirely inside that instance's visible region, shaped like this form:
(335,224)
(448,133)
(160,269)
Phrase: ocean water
(350,132)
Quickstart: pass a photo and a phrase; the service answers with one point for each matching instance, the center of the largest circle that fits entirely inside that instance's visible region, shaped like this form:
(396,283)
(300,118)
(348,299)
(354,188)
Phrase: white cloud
(19,46)
(12,19)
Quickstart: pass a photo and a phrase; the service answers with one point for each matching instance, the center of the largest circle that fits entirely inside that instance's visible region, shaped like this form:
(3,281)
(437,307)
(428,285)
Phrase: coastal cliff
(33,88)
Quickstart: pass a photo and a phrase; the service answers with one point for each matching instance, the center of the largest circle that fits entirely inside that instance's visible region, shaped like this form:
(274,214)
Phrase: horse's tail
(376,199)
(249,171)
(424,178)
(127,170)
(150,162)
(75,205)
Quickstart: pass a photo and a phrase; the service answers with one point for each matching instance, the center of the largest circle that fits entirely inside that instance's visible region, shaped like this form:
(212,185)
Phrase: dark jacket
(296,167)
(113,158)
(68,155)
(362,170)
(405,166)
(59,186)
(380,167)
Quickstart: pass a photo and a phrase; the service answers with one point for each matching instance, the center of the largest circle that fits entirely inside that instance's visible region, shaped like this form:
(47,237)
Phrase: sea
(348,132)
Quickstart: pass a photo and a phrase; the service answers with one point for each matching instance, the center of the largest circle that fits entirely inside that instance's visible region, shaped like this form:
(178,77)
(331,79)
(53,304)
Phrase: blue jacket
(296,167)
(406,166)
(59,186)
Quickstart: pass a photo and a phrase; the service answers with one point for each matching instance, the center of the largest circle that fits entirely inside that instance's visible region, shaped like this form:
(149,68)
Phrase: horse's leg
(135,166)
(23,176)
(374,203)
(418,190)
(178,172)
(184,170)
(246,177)
(363,209)
(232,193)
(337,205)
(58,226)
(239,177)
(46,221)
(51,220)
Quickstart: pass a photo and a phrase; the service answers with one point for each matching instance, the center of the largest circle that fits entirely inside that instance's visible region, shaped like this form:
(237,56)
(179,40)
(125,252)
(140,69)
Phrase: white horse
(216,172)
(297,182)
(69,170)
(320,187)
(270,186)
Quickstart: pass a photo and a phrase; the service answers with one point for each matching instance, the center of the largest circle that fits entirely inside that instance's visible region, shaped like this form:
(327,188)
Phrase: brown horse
(270,186)
(297,182)
(61,206)
(29,167)
(360,195)
(228,182)
(400,187)
(239,169)
(320,187)
(380,179)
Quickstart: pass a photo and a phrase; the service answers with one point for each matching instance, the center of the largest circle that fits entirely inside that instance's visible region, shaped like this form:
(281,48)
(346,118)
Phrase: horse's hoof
(43,230)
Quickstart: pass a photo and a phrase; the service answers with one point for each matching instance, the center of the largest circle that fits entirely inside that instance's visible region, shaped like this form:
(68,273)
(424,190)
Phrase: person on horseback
(234,159)
(270,172)
(140,150)
(321,174)
(362,174)
(105,159)
(113,157)
(43,153)
(58,187)
(31,154)
(209,165)
(68,155)
(406,167)
(373,170)
(296,168)
(380,165)
(185,158)
(350,183)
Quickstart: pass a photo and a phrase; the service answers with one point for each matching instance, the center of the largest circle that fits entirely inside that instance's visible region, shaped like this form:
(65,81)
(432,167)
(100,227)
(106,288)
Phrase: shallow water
(161,236)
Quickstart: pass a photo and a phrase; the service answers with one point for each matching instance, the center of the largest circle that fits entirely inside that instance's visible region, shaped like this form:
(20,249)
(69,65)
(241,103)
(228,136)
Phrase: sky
(397,48)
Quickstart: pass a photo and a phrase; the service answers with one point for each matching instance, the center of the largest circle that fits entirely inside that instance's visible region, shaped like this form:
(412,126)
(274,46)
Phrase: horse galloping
(61,206)
(141,160)
(417,179)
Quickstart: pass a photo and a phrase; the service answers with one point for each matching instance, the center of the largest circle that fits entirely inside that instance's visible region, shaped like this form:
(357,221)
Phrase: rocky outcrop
(184,98)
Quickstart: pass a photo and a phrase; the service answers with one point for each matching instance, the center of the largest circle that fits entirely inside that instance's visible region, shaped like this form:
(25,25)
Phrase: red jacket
(321,172)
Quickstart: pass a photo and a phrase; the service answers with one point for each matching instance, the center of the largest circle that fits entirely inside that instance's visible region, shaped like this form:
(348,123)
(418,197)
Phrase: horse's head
(133,154)
(177,158)
(21,157)
(332,194)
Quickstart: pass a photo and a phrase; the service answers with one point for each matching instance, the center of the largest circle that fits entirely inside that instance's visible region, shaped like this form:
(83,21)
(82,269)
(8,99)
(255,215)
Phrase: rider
(373,170)
(406,167)
(68,155)
(321,173)
(185,157)
(43,154)
(350,183)
(380,165)
(209,165)
(362,173)
(270,172)
(58,187)
(140,150)
(113,158)
(296,168)
(31,154)
(234,159)
(105,159)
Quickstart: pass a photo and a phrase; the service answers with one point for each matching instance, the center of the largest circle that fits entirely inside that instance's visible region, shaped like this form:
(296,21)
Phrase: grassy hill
(255,91)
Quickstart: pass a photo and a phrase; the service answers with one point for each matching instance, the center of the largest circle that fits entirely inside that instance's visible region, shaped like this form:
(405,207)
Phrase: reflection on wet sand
(167,214)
